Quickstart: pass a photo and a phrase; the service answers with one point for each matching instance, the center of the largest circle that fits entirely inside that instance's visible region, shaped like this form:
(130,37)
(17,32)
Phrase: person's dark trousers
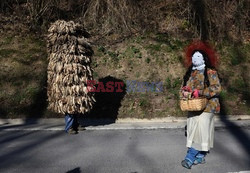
(70,122)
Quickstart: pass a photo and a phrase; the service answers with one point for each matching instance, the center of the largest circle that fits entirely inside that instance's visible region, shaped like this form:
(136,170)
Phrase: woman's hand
(195,93)
(186,88)
(186,94)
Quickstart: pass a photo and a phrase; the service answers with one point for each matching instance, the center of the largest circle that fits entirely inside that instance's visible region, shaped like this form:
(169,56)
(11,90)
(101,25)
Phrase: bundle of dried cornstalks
(69,68)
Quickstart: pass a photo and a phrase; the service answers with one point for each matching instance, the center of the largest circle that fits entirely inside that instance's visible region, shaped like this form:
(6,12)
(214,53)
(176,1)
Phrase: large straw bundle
(69,68)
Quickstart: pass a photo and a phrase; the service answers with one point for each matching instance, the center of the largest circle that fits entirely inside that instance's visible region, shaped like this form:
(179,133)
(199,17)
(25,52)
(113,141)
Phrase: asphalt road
(118,151)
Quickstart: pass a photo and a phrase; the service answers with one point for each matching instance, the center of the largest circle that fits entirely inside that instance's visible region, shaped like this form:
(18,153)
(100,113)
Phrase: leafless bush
(7,5)
(221,19)
(40,9)
(110,15)
(205,19)
(228,18)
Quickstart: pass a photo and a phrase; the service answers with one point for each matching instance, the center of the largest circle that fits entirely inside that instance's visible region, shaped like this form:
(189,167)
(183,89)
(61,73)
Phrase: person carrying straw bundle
(69,72)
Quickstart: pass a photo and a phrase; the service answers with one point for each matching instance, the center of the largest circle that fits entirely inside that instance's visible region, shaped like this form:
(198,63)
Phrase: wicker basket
(197,104)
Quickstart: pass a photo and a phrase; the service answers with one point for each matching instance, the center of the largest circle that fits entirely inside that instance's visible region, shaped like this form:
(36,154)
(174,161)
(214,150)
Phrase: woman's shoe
(199,161)
(186,164)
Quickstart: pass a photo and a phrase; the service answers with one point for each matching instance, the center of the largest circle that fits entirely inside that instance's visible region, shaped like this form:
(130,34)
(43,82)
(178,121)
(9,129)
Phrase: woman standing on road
(201,79)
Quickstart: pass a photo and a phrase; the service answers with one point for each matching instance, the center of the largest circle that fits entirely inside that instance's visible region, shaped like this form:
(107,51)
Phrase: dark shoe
(81,128)
(186,164)
(199,161)
(72,131)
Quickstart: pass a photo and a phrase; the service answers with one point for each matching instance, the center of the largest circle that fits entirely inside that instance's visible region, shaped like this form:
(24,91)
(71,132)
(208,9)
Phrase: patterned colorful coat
(196,81)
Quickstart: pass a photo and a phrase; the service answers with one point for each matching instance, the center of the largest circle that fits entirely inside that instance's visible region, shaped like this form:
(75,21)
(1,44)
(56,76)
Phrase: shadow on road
(140,158)
(7,157)
(76,170)
(104,112)
(106,108)
(238,133)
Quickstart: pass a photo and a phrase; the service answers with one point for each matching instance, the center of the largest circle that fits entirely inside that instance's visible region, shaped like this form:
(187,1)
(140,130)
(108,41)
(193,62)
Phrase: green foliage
(25,95)
(148,60)
(23,74)
(113,55)
(161,52)
(31,92)
(236,55)
(26,59)
(132,52)
(5,53)
(176,83)
(7,40)
(153,48)
(95,75)
(176,44)
(139,39)
(173,82)
(162,38)
(238,85)
(144,103)
(223,94)
(137,75)
(134,49)
(101,49)
(186,24)
(165,44)
(168,82)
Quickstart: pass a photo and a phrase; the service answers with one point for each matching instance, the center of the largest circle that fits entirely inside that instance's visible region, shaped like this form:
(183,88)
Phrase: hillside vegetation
(139,41)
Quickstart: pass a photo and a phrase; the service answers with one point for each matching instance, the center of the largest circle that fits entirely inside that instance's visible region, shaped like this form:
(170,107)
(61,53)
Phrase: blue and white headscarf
(198,61)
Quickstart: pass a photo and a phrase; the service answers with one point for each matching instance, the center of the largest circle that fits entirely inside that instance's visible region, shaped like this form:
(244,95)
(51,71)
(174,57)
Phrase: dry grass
(215,19)
(23,76)
(160,30)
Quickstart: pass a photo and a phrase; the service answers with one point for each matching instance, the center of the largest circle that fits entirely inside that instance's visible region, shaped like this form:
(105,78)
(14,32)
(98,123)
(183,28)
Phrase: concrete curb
(120,124)
(121,120)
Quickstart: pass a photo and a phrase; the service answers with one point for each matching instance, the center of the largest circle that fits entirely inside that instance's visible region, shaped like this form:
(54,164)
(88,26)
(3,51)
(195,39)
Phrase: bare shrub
(110,15)
(40,11)
(205,19)
(5,5)
(223,19)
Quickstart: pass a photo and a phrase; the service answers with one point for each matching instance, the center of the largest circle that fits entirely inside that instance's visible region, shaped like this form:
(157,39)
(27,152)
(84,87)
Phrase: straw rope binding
(69,56)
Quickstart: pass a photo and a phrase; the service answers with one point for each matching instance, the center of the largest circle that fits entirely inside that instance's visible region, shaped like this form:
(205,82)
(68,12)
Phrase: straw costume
(201,79)
(68,71)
